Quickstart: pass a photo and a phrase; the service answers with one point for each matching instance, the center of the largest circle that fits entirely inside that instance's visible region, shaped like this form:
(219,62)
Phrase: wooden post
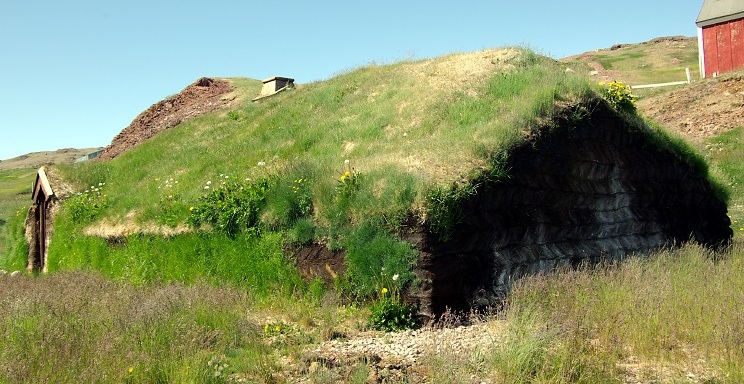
(689,76)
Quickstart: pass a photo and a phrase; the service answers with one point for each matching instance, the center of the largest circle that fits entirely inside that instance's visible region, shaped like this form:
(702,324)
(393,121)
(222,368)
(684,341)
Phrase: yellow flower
(266,328)
(278,328)
(384,291)
(131,369)
(346,175)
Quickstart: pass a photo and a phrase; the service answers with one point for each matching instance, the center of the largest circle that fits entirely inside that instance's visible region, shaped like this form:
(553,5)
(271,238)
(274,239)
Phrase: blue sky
(75,73)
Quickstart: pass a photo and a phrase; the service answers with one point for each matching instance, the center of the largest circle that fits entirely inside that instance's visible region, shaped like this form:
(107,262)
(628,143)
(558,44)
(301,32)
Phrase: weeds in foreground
(390,313)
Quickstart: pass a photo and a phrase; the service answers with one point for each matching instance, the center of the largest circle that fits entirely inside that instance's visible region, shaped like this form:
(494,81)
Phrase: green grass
(399,135)
(645,63)
(15,198)
(672,309)
(725,152)
(75,327)
(175,308)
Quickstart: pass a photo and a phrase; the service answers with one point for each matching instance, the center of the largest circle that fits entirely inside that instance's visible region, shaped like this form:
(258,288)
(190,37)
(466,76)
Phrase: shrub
(389,313)
(232,207)
(376,259)
(620,96)
(85,206)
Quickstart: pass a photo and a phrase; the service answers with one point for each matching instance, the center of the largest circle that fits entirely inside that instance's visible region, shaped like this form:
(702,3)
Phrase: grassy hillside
(245,314)
(364,147)
(37,159)
(344,162)
(657,61)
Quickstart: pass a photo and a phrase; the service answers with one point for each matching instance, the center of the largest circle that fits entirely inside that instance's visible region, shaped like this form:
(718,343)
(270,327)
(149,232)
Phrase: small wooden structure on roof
(42,200)
(720,36)
(274,85)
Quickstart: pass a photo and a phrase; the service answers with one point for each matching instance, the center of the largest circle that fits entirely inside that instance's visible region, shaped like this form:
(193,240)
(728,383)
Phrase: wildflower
(261,164)
(278,328)
(345,176)
(384,291)
(346,162)
(206,187)
(209,182)
(266,328)
(191,208)
(131,369)
(395,277)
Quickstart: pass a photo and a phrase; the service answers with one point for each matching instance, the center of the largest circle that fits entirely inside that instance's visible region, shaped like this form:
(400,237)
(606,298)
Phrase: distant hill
(705,108)
(659,60)
(37,159)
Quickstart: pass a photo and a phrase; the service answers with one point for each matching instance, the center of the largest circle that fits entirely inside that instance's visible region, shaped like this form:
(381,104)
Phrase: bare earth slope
(205,95)
(703,109)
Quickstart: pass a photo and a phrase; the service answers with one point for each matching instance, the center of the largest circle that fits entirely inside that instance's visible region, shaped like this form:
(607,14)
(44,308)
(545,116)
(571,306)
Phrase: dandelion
(384,291)
(131,369)
(266,328)
(278,328)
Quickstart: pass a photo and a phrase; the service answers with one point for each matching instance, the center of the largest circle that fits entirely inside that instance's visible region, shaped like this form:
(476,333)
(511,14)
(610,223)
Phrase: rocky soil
(204,95)
(703,109)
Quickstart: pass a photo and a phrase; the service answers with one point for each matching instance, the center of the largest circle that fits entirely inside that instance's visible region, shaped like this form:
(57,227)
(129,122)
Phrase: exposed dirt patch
(316,260)
(204,95)
(703,109)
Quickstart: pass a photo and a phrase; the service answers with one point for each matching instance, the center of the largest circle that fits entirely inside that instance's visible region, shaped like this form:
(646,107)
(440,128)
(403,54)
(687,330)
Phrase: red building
(721,36)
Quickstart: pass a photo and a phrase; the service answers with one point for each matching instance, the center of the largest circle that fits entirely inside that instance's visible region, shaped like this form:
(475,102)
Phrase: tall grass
(76,327)
(674,309)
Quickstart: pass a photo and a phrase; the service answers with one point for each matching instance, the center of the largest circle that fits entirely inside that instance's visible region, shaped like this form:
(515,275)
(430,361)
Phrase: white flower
(209,182)
(346,162)
(395,277)
(261,164)
(206,187)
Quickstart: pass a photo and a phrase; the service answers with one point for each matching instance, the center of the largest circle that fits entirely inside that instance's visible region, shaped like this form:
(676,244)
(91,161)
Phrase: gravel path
(409,346)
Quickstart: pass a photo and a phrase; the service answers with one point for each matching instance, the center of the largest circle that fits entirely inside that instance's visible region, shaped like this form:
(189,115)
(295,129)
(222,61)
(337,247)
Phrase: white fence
(689,80)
